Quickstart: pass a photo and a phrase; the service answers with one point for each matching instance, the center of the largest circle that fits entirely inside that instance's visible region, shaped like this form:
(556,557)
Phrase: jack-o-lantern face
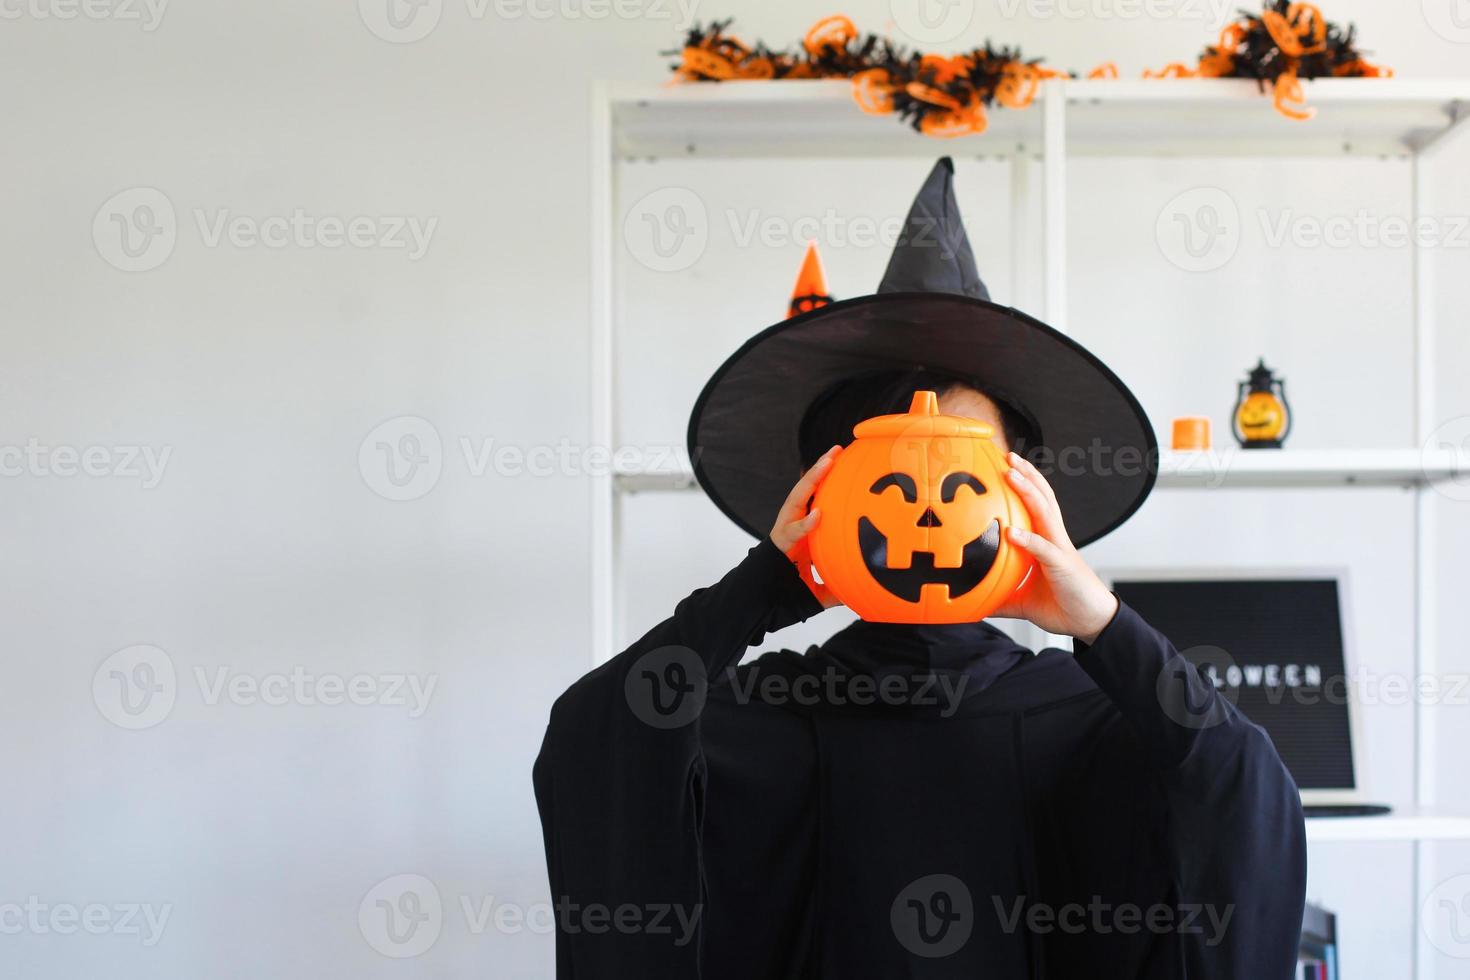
(1261,417)
(914,519)
(906,543)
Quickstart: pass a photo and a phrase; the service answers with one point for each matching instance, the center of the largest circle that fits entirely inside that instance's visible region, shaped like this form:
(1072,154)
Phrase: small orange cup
(1191,433)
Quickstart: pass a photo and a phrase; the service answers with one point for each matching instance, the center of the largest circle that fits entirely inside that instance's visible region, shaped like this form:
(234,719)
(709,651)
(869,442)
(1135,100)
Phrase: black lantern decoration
(1262,418)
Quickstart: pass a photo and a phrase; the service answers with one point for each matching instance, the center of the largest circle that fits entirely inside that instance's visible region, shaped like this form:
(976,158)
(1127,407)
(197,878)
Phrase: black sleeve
(1237,830)
(620,778)
(762,594)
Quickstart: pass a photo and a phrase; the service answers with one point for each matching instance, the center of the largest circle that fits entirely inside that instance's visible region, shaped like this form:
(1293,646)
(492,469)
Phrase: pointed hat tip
(933,254)
(812,278)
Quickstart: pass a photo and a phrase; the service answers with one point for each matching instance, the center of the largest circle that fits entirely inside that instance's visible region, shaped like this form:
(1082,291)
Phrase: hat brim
(1097,448)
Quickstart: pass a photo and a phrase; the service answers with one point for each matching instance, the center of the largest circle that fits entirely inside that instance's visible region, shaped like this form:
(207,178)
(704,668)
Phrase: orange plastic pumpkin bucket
(915,516)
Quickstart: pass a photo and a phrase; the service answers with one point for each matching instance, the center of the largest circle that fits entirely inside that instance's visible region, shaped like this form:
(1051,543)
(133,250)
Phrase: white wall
(263,549)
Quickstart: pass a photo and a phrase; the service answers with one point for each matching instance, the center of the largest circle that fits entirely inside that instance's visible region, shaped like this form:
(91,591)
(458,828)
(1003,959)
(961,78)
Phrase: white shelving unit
(1167,117)
(1408,825)
(1375,117)
(1232,468)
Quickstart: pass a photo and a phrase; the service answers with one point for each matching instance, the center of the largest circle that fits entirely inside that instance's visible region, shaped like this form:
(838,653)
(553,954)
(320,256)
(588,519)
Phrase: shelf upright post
(1426,654)
(1054,201)
(1027,264)
(603,540)
(1054,236)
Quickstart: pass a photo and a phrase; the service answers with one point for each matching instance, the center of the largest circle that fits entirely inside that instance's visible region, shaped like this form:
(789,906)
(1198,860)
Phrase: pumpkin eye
(954,481)
(903,481)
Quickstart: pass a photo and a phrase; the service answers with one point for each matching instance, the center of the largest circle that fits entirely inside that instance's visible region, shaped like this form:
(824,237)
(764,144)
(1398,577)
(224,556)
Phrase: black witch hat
(1090,436)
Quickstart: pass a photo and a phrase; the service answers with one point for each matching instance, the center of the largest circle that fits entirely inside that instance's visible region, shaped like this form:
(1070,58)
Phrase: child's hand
(794,522)
(1062,595)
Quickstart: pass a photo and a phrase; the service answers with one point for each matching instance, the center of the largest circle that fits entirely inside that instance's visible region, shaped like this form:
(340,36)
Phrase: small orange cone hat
(810,292)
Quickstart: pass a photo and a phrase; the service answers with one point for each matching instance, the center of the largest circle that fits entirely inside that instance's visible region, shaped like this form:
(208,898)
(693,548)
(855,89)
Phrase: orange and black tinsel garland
(950,95)
(1286,42)
(936,95)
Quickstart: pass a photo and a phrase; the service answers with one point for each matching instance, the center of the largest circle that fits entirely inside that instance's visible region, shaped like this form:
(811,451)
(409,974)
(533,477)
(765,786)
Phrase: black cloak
(910,802)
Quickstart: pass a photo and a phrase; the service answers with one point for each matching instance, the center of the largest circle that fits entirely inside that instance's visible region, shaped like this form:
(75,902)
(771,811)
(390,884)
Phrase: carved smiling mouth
(907,583)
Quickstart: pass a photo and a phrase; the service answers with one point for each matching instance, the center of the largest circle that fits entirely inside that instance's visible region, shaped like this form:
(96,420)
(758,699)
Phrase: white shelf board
(1287,468)
(1406,825)
(641,481)
(808,118)
(1230,468)
(1233,117)
(1134,117)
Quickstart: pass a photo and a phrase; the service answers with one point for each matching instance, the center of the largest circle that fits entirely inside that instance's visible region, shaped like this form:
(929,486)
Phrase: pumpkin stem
(924,403)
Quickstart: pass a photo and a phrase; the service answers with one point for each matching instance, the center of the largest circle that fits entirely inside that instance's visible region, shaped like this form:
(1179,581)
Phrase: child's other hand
(1062,595)
(794,522)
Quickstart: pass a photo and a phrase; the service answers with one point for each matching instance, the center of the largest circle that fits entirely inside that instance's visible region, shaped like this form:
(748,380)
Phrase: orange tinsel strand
(873,90)
(1289,99)
(829,32)
(957,122)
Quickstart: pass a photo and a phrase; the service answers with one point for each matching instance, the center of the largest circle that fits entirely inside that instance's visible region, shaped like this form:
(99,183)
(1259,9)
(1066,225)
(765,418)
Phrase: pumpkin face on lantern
(1261,417)
(914,520)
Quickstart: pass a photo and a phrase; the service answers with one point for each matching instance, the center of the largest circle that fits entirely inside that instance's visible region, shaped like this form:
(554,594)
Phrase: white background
(262,828)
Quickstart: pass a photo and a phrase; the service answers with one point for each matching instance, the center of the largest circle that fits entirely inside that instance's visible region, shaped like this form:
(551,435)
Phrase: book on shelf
(1317,959)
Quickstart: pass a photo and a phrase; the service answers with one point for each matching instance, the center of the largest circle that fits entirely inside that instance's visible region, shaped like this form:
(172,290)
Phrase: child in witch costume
(996,813)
